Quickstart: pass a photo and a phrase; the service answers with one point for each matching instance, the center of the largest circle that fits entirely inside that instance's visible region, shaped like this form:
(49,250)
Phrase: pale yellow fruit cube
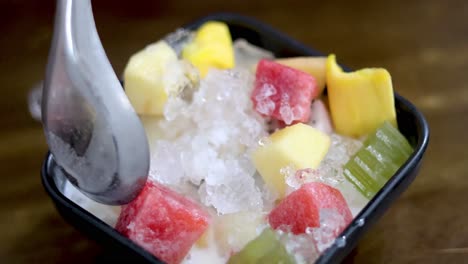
(299,146)
(152,129)
(211,48)
(359,101)
(234,231)
(206,238)
(314,66)
(144,78)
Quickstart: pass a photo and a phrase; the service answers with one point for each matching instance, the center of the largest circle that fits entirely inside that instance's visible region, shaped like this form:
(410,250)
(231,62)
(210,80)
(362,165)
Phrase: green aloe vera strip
(382,153)
(266,248)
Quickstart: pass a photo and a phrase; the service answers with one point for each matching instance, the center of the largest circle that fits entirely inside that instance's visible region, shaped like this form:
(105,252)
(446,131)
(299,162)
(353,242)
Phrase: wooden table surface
(424,44)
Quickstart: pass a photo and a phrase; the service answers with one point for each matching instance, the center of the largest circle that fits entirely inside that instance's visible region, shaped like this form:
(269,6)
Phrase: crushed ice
(178,39)
(247,55)
(331,224)
(301,246)
(265,105)
(204,142)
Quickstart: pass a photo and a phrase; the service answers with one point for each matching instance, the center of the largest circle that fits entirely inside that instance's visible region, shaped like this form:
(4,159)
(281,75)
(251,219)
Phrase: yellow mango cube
(314,66)
(359,101)
(300,146)
(211,48)
(145,81)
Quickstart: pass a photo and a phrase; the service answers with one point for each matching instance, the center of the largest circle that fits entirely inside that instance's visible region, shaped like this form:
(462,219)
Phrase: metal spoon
(92,130)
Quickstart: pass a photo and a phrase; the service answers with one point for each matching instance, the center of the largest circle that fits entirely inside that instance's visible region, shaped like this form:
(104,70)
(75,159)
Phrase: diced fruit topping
(379,158)
(211,48)
(301,209)
(155,73)
(234,231)
(266,248)
(283,92)
(204,145)
(163,222)
(300,146)
(314,66)
(359,101)
(144,75)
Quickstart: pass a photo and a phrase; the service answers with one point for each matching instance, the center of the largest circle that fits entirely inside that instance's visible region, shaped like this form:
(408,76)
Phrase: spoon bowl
(93,133)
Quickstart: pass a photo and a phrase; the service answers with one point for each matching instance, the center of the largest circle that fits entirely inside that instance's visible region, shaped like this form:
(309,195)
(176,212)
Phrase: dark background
(424,45)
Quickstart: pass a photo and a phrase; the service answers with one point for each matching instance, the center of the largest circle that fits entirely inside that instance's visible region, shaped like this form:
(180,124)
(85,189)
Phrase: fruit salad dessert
(255,159)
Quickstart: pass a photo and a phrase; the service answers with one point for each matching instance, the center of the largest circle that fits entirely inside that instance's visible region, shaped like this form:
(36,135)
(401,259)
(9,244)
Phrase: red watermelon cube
(163,222)
(301,209)
(283,92)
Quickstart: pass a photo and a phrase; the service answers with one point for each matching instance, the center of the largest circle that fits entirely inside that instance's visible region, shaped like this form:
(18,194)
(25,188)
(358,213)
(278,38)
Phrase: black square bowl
(410,121)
